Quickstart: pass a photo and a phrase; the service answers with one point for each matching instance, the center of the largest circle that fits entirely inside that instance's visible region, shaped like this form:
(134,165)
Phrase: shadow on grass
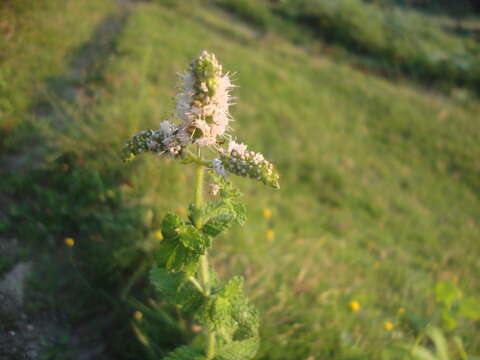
(53,193)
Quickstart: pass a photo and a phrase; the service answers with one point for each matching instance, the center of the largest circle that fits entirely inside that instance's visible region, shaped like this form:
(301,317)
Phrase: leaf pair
(226,311)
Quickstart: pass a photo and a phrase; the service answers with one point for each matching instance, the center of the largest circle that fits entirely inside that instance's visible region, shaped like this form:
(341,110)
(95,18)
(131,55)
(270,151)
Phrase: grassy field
(380,196)
(386,37)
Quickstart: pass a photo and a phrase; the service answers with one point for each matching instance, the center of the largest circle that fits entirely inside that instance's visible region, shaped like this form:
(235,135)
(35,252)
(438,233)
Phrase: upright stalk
(198,189)
(203,266)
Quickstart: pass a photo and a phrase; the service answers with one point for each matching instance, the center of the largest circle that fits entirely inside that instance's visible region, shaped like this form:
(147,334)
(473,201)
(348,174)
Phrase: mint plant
(182,274)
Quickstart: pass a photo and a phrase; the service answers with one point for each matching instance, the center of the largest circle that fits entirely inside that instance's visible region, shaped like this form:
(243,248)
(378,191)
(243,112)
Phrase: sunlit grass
(380,187)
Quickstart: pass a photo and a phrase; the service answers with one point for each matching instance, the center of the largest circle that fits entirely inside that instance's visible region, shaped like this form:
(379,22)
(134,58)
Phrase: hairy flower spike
(238,160)
(162,141)
(203,103)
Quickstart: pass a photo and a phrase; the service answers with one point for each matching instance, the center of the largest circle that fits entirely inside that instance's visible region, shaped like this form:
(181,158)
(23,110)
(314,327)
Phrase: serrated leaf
(170,225)
(470,308)
(218,224)
(229,312)
(185,353)
(238,350)
(178,258)
(247,319)
(182,245)
(176,289)
(244,315)
(193,239)
(215,314)
(213,208)
(239,212)
(166,250)
(447,292)
(233,289)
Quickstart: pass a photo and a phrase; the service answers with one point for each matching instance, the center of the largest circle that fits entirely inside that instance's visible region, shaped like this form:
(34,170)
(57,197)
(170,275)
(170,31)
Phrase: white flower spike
(203,103)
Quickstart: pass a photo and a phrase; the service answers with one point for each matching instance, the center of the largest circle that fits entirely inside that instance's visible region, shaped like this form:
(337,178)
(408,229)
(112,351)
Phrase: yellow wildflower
(267,213)
(270,235)
(158,235)
(388,325)
(354,306)
(69,242)
(401,310)
(138,315)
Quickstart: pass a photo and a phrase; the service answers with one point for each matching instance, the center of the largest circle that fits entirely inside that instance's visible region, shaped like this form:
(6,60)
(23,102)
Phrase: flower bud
(238,160)
(161,141)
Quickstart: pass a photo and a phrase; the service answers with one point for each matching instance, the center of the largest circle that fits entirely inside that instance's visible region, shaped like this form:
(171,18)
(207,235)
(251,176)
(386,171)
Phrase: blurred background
(369,109)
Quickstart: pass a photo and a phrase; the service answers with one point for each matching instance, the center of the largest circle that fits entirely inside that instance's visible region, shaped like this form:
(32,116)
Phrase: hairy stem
(198,189)
(203,270)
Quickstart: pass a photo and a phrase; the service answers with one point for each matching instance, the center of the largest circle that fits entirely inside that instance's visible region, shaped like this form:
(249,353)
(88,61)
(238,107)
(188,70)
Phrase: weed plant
(182,274)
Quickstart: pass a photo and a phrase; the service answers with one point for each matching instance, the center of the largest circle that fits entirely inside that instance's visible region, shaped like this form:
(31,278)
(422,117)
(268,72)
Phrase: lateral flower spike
(163,141)
(239,161)
(203,102)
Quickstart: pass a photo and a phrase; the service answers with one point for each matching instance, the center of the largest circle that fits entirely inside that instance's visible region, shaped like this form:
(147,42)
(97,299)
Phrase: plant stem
(211,344)
(203,270)
(198,187)
(196,284)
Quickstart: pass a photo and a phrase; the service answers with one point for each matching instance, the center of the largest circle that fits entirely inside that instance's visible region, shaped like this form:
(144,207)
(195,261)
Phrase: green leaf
(213,208)
(421,353)
(239,212)
(447,292)
(185,353)
(178,257)
(176,289)
(448,321)
(166,250)
(193,239)
(170,225)
(441,347)
(218,224)
(460,348)
(238,350)
(470,308)
(182,245)
(228,312)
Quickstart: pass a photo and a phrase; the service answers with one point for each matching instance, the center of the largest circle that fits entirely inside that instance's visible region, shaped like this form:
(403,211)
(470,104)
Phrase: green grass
(390,39)
(37,47)
(379,199)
